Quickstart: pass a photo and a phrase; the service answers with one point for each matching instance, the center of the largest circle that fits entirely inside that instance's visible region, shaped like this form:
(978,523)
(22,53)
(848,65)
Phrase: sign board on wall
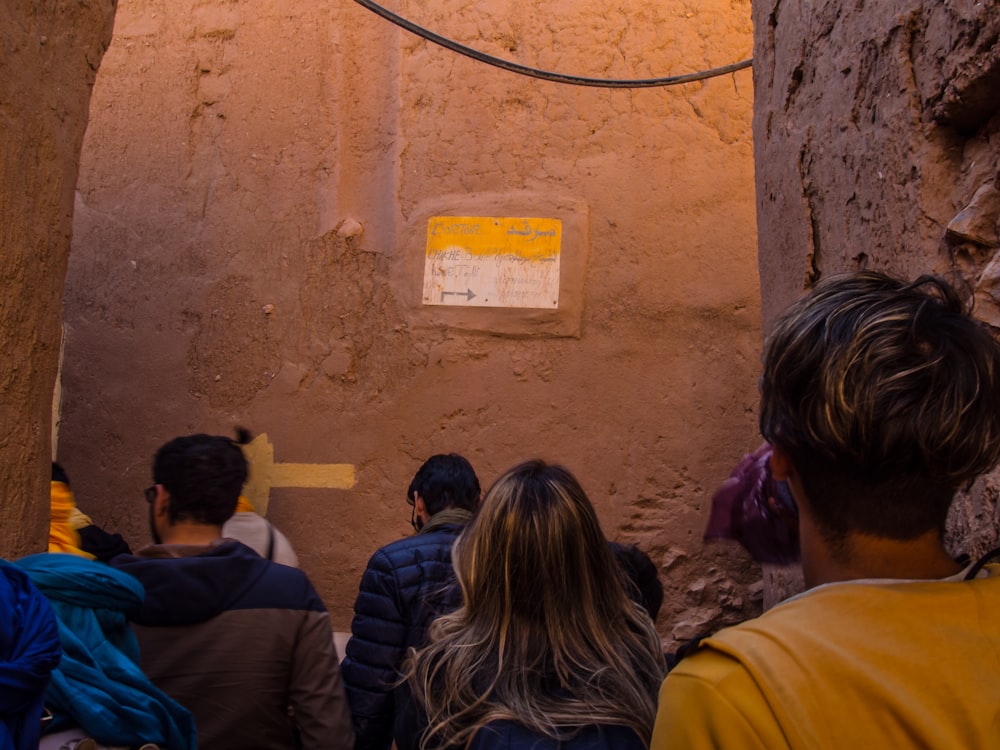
(489,261)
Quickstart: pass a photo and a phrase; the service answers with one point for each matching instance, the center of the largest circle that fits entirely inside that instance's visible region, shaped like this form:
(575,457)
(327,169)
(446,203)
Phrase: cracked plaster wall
(247,250)
(877,143)
(49,54)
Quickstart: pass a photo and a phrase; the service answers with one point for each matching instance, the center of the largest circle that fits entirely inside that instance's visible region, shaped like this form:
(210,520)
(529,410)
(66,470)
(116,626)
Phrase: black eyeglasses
(150,493)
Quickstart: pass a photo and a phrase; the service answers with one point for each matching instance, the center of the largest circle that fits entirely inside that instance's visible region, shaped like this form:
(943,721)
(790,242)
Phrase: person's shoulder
(712,699)
(845,614)
(800,616)
(286,575)
(432,545)
(411,567)
(138,563)
(245,520)
(281,587)
(726,656)
(828,609)
(248,580)
(714,663)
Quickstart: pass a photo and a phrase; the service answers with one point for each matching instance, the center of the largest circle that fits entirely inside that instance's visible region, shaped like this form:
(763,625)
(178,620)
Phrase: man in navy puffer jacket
(406,585)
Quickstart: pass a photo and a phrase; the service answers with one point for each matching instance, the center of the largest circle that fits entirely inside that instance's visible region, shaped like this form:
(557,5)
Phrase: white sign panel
(489,261)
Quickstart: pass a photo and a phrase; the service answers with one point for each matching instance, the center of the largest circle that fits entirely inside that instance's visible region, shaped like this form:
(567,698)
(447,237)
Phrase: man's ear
(419,506)
(784,470)
(781,464)
(161,506)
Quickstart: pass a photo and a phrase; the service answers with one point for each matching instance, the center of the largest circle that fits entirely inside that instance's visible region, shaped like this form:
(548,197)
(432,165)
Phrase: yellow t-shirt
(855,665)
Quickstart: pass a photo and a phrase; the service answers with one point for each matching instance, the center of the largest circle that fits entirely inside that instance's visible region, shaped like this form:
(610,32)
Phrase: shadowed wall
(249,249)
(50,56)
(877,144)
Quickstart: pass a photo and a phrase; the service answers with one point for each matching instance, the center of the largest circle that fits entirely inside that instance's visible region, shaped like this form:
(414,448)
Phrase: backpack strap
(991,556)
(270,542)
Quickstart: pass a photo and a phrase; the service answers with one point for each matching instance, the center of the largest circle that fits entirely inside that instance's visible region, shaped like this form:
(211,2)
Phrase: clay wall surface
(249,249)
(49,54)
(877,144)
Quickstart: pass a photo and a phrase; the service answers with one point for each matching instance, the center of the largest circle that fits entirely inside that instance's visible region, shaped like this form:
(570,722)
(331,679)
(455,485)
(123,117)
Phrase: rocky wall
(50,54)
(877,143)
(249,248)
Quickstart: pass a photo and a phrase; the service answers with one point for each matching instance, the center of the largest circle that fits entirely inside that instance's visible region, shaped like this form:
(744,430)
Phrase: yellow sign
(489,261)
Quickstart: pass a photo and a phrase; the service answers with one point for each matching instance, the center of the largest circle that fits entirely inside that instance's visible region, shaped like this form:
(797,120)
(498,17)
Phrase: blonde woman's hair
(547,636)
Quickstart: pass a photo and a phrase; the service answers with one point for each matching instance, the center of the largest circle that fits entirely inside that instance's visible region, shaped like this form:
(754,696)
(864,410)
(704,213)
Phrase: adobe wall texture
(249,246)
(249,227)
(50,54)
(877,144)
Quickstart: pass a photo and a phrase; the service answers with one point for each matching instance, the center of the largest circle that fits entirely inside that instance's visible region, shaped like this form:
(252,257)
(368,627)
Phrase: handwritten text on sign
(489,261)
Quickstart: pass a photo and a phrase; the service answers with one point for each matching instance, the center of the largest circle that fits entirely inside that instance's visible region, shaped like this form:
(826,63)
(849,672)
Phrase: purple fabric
(754,509)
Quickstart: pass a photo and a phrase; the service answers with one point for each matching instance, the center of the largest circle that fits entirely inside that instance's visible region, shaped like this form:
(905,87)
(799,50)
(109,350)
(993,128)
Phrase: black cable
(545,75)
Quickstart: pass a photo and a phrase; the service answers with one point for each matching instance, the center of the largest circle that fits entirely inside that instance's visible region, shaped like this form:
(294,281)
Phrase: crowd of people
(509,620)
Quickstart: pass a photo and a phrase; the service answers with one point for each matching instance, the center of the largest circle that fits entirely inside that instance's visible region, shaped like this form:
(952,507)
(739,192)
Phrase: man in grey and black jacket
(406,585)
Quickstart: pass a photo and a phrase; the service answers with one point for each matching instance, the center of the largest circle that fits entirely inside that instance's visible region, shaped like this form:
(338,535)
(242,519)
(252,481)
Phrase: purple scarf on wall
(759,512)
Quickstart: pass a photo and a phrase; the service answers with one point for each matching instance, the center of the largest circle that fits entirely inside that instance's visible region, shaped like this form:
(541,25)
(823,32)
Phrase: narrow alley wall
(50,56)
(250,249)
(877,139)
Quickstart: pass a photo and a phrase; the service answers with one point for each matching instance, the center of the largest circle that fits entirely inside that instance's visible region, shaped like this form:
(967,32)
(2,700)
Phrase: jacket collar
(447,517)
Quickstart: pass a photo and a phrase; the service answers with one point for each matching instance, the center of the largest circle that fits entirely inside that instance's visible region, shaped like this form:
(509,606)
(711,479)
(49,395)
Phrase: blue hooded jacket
(29,651)
(99,685)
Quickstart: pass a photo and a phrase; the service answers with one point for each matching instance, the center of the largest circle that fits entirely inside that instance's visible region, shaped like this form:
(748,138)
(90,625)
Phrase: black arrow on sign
(468,294)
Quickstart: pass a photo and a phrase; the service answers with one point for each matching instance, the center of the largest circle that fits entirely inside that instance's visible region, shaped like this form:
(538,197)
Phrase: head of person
(642,581)
(885,398)
(59,474)
(197,480)
(443,481)
(546,629)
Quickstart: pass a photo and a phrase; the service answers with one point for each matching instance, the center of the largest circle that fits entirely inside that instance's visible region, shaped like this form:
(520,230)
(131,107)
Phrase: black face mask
(415,522)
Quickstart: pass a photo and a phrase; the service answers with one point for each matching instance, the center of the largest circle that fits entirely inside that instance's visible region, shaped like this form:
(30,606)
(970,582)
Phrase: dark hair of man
(446,481)
(204,475)
(642,582)
(886,397)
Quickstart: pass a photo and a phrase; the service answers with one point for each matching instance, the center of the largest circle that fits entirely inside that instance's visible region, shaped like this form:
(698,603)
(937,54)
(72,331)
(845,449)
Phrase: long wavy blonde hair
(546,636)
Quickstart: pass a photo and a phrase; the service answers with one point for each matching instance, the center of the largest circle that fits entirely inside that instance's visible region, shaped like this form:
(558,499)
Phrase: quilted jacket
(405,586)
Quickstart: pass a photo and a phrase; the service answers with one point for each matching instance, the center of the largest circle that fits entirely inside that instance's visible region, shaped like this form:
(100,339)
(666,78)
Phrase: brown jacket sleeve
(316,691)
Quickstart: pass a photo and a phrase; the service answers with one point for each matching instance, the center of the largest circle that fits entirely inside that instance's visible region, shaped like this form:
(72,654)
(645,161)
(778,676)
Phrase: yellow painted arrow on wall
(265,474)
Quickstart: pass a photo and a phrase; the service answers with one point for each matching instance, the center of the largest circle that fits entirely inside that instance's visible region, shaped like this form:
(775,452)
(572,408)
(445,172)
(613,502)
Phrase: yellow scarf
(63,535)
(245,506)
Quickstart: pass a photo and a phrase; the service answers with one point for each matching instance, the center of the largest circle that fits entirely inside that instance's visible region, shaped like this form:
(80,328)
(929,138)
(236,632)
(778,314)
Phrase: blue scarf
(99,685)
(29,651)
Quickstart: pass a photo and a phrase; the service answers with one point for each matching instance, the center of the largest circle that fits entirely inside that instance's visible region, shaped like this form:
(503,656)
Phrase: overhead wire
(546,75)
